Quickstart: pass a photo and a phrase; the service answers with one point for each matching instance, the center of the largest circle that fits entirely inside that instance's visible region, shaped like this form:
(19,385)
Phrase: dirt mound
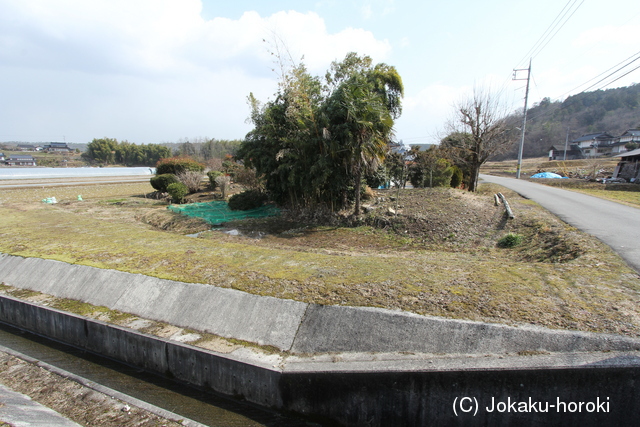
(436,215)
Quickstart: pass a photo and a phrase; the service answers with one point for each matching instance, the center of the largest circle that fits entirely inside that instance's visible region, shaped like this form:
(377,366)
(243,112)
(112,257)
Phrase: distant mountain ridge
(612,111)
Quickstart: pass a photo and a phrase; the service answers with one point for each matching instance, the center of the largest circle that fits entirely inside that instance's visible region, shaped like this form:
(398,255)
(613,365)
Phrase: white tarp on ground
(36,172)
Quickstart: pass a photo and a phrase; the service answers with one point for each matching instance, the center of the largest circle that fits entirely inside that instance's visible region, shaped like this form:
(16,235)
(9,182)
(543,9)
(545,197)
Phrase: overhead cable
(592,79)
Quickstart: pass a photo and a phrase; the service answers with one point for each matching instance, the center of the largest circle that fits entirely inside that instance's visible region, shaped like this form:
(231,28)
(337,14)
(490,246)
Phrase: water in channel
(200,406)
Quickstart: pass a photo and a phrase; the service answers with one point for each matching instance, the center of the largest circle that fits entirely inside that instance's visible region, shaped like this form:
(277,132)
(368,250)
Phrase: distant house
(629,166)
(59,147)
(18,160)
(556,152)
(632,135)
(595,144)
(26,147)
(1,157)
(421,147)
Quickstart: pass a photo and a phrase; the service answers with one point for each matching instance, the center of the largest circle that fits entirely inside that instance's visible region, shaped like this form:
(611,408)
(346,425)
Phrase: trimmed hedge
(175,165)
(161,182)
(177,191)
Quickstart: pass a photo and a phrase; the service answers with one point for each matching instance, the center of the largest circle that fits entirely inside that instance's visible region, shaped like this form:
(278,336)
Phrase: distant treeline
(205,150)
(548,122)
(110,151)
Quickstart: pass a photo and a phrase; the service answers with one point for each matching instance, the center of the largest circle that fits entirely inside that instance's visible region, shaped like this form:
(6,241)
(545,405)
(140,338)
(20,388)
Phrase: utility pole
(566,144)
(524,120)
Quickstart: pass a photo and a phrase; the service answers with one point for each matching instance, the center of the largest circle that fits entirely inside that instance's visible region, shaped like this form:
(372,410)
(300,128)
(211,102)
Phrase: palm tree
(363,110)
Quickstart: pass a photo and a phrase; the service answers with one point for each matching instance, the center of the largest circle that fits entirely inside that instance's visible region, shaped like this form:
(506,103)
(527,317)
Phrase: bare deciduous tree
(481,120)
(191,179)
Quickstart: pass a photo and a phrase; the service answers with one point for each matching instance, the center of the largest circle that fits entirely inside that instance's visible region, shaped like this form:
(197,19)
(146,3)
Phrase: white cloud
(150,70)
(377,8)
(164,37)
(425,112)
(306,35)
(366,11)
(619,35)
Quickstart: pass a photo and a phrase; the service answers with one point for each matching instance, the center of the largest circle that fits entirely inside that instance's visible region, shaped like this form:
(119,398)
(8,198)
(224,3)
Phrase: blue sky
(151,71)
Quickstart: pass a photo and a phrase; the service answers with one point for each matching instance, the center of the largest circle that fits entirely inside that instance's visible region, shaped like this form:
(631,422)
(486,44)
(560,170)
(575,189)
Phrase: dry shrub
(214,164)
(191,179)
(223,182)
(369,194)
(248,179)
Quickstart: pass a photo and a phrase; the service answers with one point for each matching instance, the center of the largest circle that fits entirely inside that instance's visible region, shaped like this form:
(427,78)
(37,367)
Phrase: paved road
(615,224)
(19,410)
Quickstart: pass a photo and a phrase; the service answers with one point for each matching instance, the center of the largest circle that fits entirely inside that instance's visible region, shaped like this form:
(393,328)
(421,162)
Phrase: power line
(574,99)
(554,34)
(620,77)
(552,30)
(619,69)
(537,46)
(606,71)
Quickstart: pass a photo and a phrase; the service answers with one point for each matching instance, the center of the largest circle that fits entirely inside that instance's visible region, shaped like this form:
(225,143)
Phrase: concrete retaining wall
(256,383)
(373,398)
(286,324)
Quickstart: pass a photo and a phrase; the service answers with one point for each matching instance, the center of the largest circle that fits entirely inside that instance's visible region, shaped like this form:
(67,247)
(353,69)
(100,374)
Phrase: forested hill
(613,111)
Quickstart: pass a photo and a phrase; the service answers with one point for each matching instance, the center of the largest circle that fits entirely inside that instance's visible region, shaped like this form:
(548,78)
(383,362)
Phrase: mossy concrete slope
(290,325)
(225,312)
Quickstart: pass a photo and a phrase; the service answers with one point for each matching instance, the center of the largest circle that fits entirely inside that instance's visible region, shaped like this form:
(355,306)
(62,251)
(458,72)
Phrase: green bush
(175,165)
(429,171)
(231,167)
(510,240)
(377,178)
(161,182)
(246,200)
(177,191)
(456,178)
(212,178)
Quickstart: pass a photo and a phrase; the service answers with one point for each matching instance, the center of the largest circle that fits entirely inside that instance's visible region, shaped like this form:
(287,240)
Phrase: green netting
(219,212)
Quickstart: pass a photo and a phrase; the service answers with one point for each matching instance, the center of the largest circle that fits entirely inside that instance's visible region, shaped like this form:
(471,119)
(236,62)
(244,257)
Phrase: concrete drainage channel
(343,365)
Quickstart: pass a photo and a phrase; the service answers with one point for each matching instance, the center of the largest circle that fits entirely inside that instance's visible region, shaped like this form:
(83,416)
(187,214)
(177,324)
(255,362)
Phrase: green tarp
(218,212)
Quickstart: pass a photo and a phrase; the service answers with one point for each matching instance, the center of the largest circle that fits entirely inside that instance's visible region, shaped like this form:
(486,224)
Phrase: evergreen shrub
(161,182)
(177,191)
(212,178)
(250,199)
(175,165)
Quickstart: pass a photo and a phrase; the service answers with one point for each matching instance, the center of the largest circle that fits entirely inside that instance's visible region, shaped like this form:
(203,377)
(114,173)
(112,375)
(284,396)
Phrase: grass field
(437,257)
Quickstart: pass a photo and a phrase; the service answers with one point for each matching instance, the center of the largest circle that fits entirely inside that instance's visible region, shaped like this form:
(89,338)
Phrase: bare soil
(76,402)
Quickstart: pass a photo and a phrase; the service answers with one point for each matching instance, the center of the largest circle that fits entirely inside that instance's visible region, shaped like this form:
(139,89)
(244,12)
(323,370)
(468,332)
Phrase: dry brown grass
(437,257)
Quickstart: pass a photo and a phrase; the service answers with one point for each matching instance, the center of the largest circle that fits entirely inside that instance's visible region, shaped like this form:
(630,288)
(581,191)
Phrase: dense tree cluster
(315,143)
(108,151)
(430,168)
